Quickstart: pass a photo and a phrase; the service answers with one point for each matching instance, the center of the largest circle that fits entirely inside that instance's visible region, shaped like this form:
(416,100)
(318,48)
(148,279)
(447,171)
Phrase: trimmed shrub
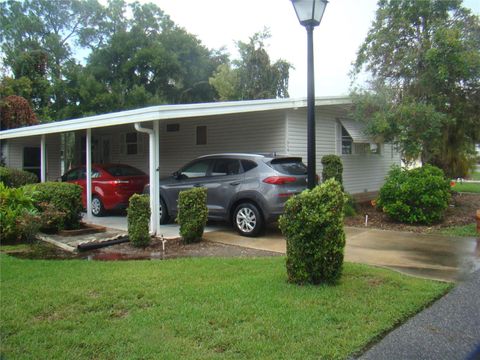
(138,216)
(417,196)
(313,227)
(192,214)
(16,178)
(332,168)
(61,197)
(18,215)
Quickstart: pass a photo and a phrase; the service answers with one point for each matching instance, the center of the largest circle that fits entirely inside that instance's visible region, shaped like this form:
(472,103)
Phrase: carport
(257,126)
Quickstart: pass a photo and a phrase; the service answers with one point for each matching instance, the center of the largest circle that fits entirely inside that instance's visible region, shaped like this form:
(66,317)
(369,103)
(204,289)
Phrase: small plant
(313,227)
(350,206)
(138,216)
(18,215)
(192,214)
(16,178)
(62,197)
(417,196)
(332,168)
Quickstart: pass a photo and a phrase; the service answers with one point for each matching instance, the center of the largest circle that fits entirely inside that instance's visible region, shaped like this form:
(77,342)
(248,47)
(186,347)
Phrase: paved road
(449,329)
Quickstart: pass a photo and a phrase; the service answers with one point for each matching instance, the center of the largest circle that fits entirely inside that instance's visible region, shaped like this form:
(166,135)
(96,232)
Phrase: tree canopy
(424,62)
(253,76)
(72,58)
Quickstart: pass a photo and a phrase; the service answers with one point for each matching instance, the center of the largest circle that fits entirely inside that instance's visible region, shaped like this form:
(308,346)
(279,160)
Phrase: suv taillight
(279,180)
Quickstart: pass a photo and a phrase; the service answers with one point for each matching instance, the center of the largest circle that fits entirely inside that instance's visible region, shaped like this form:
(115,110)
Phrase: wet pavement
(429,256)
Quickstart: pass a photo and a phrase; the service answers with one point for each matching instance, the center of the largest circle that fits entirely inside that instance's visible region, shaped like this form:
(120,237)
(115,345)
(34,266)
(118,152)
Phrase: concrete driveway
(430,256)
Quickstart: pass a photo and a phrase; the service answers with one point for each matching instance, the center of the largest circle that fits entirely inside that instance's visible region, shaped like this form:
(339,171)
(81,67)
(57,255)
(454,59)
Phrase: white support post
(157,173)
(88,173)
(43,160)
(152,172)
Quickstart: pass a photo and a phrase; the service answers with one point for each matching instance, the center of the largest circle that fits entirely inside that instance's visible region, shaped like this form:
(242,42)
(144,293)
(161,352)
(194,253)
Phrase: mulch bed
(461,212)
(175,248)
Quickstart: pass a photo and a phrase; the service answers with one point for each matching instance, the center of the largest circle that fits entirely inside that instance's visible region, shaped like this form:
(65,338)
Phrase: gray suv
(249,190)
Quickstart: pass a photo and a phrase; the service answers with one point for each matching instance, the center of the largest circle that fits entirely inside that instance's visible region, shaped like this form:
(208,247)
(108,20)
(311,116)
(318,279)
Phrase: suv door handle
(235,183)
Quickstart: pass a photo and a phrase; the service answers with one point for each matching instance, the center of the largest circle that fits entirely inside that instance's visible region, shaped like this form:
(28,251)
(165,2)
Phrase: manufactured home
(160,139)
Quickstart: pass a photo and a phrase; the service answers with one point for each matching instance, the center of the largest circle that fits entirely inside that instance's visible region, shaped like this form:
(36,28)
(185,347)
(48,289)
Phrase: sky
(343,28)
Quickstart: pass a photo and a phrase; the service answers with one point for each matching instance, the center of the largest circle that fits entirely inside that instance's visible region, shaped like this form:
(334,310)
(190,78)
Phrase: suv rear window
(248,165)
(289,166)
(123,170)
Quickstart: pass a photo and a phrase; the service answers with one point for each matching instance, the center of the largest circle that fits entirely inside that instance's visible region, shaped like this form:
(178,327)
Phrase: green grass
(469,230)
(476,176)
(467,187)
(200,308)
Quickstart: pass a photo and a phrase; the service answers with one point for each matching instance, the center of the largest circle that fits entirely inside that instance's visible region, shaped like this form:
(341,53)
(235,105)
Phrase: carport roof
(164,112)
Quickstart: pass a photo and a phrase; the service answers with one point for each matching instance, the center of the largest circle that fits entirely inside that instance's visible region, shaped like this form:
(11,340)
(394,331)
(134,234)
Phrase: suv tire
(163,213)
(248,220)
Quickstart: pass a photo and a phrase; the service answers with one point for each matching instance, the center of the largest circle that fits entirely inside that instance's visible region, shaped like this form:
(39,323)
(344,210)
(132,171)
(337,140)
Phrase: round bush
(417,196)
(313,227)
(138,216)
(16,178)
(65,198)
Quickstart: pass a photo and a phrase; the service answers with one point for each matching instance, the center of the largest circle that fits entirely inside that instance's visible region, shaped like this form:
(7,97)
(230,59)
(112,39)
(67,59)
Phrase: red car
(112,185)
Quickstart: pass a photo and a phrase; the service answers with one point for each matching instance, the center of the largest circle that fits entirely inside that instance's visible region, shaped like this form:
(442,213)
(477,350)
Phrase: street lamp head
(309,12)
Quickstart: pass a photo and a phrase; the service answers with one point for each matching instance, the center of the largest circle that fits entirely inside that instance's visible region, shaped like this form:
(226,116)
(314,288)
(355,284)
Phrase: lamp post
(310,13)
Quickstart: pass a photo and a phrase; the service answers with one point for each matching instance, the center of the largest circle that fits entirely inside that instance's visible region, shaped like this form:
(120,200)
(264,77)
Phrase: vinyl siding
(361,173)
(325,123)
(116,135)
(14,149)
(262,132)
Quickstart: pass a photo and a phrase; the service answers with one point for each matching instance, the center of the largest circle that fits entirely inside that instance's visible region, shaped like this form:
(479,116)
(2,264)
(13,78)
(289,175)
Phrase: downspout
(43,159)
(152,174)
(157,173)
(88,172)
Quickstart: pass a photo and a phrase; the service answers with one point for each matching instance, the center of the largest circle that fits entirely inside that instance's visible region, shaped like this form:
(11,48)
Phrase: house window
(31,160)
(173,127)
(347,142)
(201,135)
(131,142)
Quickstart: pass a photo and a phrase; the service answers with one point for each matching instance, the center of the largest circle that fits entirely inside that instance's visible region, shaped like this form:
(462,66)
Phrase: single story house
(160,139)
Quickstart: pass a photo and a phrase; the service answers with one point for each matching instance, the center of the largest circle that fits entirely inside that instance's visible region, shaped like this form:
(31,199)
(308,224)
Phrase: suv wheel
(248,220)
(163,213)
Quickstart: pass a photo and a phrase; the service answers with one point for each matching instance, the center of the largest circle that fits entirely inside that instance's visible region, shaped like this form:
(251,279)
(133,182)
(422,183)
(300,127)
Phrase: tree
(16,112)
(424,59)
(253,76)
(37,38)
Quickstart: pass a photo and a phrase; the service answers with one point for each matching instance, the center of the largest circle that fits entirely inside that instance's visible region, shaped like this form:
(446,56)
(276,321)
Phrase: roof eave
(163,112)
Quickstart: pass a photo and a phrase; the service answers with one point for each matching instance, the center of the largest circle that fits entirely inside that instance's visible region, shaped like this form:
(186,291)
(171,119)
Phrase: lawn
(462,230)
(467,187)
(196,309)
(476,175)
